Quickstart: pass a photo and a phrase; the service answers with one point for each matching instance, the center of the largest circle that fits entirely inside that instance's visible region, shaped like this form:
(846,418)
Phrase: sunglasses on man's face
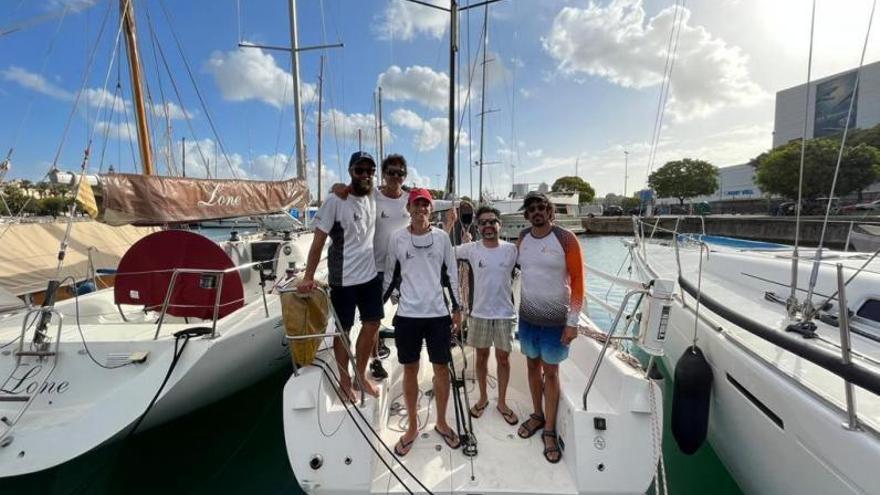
(485,222)
(536,207)
(395,173)
(361,171)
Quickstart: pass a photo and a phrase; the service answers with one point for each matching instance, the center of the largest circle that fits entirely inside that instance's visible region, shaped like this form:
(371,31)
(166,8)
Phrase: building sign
(833,99)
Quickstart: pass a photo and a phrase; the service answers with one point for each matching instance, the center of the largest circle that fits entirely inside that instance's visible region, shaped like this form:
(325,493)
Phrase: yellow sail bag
(305,314)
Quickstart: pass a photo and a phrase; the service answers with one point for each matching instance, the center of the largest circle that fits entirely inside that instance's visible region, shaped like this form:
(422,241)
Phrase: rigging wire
(169,158)
(818,254)
(671,50)
(797,222)
(49,49)
(197,90)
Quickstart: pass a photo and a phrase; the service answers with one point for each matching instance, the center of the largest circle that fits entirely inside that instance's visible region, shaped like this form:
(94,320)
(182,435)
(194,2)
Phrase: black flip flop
(477,410)
(451,439)
(402,448)
(530,431)
(509,416)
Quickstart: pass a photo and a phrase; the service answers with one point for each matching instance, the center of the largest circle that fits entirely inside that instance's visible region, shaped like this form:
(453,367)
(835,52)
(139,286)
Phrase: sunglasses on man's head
(536,207)
(490,221)
(368,171)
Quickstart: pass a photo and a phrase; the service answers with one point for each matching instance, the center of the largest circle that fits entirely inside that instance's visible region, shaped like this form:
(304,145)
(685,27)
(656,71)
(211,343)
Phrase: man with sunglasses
(391,216)
(351,224)
(491,318)
(551,297)
(419,265)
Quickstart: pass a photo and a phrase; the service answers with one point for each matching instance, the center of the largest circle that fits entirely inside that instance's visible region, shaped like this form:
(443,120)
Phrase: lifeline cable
(334,382)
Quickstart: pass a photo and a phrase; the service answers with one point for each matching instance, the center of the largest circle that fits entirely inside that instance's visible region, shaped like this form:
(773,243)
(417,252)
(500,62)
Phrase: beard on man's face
(362,187)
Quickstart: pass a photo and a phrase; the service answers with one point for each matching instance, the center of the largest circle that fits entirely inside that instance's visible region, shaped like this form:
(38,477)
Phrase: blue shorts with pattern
(544,342)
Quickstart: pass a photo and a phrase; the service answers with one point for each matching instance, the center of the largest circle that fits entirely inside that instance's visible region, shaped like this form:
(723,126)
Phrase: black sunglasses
(395,173)
(536,207)
(419,246)
(368,171)
(490,221)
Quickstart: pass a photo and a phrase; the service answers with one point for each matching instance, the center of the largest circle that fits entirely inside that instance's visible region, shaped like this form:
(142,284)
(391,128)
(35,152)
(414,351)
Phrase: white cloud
(122,131)
(252,74)
(72,5)
(417,83)
(345,126)
(619,43)
(35,82)
(98,98)
(401,20)
(429,133)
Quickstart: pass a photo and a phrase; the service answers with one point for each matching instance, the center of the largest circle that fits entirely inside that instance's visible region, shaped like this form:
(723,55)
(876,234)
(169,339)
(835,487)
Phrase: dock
(752,227)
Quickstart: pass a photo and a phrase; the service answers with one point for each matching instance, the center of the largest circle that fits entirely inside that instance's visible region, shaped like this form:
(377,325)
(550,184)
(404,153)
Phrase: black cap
(535,196)
(359,156)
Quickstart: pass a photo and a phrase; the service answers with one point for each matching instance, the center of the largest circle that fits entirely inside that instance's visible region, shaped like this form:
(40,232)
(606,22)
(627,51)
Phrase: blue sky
(575,83)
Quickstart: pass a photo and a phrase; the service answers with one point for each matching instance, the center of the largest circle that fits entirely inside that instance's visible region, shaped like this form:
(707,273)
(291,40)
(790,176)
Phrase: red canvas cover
(145,271)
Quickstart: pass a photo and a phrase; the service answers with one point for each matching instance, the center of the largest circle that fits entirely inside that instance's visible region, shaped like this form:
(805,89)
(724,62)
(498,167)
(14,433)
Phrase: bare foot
(369,387)
(346,389)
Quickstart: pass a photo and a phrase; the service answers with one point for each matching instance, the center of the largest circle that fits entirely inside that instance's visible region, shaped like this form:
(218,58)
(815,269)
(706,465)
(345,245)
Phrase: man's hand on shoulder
(340,190)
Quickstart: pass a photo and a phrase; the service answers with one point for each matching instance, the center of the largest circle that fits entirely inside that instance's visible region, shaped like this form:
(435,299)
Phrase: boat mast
(483,100)
(297,104)
(453,48)
(126,10)
(381,141)
(320,127)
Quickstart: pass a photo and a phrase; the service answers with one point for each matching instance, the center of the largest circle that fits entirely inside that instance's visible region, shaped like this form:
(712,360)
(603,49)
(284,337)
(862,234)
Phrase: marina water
(236,446)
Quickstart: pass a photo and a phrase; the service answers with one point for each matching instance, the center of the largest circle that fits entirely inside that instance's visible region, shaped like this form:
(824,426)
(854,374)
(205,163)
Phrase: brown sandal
(551,450)
(509,416)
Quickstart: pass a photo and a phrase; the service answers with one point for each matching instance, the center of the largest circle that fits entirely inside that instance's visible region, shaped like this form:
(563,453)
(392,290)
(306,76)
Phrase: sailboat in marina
(187,322)
(610,411)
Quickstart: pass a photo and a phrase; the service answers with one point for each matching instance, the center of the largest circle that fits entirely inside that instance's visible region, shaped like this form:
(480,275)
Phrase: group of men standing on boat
(383,246)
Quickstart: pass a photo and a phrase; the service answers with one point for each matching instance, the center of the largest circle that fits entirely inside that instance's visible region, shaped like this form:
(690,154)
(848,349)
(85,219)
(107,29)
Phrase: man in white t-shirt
(491,318)
(350,224)
(391,216)
(419,264)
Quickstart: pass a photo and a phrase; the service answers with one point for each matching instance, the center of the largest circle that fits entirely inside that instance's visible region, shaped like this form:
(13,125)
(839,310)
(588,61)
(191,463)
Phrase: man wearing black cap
(351,225)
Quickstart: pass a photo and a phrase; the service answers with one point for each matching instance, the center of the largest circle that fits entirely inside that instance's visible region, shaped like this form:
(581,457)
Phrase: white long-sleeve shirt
(422,265)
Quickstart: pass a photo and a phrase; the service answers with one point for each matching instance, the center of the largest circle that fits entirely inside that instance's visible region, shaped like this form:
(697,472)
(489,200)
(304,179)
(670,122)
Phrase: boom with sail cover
(156,200)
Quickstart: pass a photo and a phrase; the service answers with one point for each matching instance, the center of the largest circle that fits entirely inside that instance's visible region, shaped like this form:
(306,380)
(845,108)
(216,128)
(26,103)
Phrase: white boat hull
(776,421)
(620,459)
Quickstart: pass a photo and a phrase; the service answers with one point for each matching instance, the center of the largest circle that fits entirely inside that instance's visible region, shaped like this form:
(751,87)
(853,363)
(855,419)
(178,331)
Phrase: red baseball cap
(418,192)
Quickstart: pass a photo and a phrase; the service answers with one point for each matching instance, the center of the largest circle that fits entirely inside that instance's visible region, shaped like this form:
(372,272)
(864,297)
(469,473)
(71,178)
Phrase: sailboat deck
(737,291)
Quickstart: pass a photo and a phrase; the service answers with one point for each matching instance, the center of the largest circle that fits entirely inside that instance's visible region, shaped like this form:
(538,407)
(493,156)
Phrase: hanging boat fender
(691,393)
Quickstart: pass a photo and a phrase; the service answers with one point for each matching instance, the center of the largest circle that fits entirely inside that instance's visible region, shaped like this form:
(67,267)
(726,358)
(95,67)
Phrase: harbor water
(236,446)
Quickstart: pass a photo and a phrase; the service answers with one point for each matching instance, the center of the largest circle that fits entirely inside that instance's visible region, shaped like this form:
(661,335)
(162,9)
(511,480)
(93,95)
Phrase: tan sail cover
(156,200)
(29,251)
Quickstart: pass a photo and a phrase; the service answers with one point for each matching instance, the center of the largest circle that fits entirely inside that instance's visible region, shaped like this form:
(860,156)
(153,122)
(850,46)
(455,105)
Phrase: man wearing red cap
(419,265)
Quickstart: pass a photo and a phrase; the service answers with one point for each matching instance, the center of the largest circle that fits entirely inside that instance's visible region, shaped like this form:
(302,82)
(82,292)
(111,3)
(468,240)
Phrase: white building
(828,104)
(734,183)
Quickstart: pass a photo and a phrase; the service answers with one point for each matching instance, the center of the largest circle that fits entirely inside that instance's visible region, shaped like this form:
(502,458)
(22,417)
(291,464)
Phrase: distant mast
(297,103)
(126,9)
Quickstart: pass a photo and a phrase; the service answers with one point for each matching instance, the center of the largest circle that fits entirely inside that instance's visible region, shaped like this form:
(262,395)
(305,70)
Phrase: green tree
(777,171)
(684,179)
(575,184)
(52,205)
(436,193)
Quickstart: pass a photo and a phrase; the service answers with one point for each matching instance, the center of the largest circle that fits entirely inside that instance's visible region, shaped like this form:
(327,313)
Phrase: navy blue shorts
(366,297)
(435,332)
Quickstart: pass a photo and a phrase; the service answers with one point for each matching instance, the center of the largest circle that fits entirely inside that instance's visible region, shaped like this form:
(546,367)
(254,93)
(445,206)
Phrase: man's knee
(551,371)
(502,358)
(482,356)
(533,364)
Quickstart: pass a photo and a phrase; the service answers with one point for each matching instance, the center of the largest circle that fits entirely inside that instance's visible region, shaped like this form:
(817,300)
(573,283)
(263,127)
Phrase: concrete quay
(756,228)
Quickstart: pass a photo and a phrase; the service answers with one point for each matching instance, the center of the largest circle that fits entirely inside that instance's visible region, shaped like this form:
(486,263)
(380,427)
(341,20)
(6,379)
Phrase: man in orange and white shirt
(551,298)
